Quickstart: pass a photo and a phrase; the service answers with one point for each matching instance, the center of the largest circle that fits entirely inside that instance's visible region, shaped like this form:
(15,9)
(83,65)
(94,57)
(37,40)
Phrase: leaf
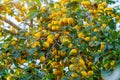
(65,78)
(112,24)
(2,73)
(40,73)
(49,76)
(15,63)
(96,58)
(30,58)
(38,2)
(40,54)
(31,51)
(26,77)
(16,55)
(33,13)
(77,78)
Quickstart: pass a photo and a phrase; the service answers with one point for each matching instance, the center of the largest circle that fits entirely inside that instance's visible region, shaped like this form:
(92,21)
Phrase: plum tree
(64,40)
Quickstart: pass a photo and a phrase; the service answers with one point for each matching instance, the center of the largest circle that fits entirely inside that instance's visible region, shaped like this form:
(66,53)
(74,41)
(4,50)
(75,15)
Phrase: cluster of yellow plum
(67,39)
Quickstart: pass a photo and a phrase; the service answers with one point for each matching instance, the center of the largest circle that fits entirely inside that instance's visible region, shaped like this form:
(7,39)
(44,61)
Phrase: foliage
(66,40)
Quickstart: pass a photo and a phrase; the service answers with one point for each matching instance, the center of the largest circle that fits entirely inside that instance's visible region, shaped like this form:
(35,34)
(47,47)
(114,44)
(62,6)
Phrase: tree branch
(10,23)
(31,23)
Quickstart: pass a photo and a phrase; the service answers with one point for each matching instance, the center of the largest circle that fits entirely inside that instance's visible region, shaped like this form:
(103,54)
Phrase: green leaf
(30,58)
(40,54)
(49,76)
(40,73)
(31,51)
(77,78)
(65,78)
(33,13)
(38,2)
(2,73)
(26,77)
(15,63)
(96,58)
(112,24)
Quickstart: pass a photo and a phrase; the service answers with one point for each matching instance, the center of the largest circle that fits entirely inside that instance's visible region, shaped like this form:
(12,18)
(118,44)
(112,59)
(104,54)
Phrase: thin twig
(10,23)
(31,23)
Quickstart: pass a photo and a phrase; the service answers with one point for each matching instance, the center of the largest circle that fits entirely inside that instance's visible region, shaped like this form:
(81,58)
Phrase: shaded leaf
(38,2)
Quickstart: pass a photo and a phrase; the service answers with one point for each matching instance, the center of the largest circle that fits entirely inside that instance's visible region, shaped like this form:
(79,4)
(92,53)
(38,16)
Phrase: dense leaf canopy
(65,40)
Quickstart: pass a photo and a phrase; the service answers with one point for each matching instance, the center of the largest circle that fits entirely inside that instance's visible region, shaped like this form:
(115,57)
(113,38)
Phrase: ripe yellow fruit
(96,30)
(108,9)
(87,39)
(89,63)
(9,77)
(63,10)
(35,44)
(56,35)
(13,43)
(38,34)
(54,51)
(57,72)
(54,28)
(112,63)
(57,6)
(103,25)
(73,60)
(22,61)
(65,40)
(18,71)
(99,11)
(105,66)
(95,38)
(86,3)
(104,4)
(77,27)
(102,46)
(81,35)
(53,64)
(23,8)
(70,45)
(81,62)
(71,67)
(73,52)
(18,18)
(113,15)
(74,75)
(5,45)
(63,54)
(70,20)
(84,73)
(9,11)
(43,9)
(42,58)
(117,17)
(46,44)
(49,25)
(32,65)
(65,20)
(50,40)
(90,73)
(50,36)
